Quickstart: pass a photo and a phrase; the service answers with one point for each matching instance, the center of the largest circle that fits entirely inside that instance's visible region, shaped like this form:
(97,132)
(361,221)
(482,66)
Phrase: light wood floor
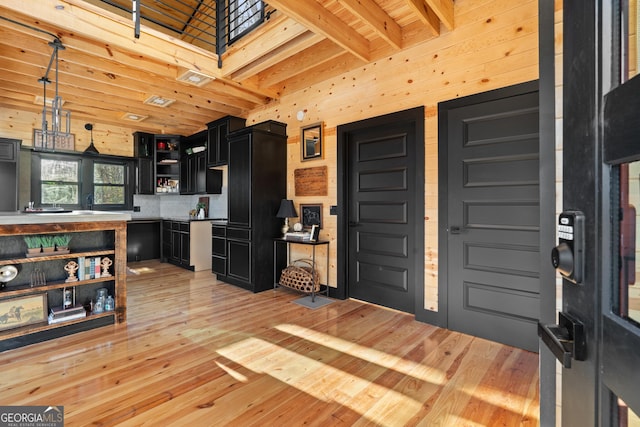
(197,352)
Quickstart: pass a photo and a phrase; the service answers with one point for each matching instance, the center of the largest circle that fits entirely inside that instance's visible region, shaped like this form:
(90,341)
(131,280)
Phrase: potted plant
(61,242)
(34,244)
(48,243)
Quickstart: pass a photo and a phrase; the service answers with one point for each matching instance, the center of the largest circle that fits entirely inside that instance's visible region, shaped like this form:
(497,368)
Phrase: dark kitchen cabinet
(257,181)
(9,176)
(143,239)
(217,133)
(195,175)
(145,172)
(187,244)
(167,164)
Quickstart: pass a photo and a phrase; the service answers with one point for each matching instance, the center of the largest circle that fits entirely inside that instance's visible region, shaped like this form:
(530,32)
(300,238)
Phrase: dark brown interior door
(384,195)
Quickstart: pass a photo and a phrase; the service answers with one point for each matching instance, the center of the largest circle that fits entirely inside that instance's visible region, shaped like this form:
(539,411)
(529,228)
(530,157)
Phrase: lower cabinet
(187,244)
(237,260)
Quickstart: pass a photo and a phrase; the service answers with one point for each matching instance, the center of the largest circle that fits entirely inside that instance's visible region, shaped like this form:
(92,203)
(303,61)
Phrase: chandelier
(55,121)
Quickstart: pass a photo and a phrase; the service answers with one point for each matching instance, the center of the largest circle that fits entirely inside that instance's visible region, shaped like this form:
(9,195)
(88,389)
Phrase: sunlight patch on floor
(234,374)
(380,358)
(318,379)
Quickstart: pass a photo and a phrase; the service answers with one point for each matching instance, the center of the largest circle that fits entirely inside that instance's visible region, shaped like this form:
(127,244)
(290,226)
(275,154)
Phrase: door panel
(493,218)
(383,245)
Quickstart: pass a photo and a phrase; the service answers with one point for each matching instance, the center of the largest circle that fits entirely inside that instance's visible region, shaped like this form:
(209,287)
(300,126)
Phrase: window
(108,183)
(59,181)
(244,15)
(74,181)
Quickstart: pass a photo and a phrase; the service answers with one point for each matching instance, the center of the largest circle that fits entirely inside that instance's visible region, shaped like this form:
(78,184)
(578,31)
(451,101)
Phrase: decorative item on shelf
(61,242)
(48,244)
(34,245)
(106,263)
(7,274)
(297,227)
(22,311)
(109,304)
(286,211)
(37,278)
(71,267)
(68,298)
(101,299)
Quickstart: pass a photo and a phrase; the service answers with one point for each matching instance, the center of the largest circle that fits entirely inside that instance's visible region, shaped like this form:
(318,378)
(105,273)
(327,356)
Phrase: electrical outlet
(136,208)
(333,210)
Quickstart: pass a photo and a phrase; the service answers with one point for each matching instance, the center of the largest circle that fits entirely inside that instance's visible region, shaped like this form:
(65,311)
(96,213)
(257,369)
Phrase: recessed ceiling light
(195,78)
(159,101)
(134,117)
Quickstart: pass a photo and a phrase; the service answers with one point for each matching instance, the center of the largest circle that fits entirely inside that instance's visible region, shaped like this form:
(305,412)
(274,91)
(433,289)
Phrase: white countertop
(10,218)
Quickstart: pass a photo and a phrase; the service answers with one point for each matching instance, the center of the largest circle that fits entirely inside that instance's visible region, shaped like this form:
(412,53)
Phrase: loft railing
(210,24)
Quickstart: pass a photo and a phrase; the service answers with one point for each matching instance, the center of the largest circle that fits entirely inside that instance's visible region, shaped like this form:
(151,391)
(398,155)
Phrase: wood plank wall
(494,44)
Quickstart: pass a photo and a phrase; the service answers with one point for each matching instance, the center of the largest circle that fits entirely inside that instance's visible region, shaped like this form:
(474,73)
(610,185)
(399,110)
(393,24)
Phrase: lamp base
(285,227)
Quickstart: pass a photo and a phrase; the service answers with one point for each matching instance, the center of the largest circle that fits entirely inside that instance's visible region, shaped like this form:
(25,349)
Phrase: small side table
(287,243)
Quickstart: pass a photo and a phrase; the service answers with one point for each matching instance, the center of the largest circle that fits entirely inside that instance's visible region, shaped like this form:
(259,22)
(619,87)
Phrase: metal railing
(210,24)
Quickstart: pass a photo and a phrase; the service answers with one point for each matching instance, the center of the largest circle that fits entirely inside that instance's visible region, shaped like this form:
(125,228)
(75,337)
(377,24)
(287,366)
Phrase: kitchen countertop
(11,218)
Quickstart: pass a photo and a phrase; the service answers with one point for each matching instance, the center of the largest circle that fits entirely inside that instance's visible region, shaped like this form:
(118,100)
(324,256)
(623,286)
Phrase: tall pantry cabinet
(257,181)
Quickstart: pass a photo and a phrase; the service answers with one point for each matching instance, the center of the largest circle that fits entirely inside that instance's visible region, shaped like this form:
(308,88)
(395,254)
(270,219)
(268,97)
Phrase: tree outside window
(59,181)
(108,184)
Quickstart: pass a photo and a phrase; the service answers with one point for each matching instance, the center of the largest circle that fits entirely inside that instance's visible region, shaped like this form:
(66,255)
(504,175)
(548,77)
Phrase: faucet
(90,201)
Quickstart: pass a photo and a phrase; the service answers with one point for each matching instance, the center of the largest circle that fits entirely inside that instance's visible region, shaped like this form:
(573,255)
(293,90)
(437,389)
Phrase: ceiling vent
(159,101)
(195,78)
(134,117)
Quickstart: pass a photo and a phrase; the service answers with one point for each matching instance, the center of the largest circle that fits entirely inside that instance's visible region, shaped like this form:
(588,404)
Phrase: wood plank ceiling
(105,72)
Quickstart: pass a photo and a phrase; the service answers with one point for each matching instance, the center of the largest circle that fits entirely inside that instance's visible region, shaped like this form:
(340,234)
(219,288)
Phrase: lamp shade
(287,210)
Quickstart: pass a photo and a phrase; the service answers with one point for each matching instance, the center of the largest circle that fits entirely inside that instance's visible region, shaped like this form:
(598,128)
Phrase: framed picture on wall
(311,141)
(311,215)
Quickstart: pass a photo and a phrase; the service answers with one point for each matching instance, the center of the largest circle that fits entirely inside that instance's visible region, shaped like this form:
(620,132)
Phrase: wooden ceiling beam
(319,20)
(306,60)
(444,10)
(281,54)
(260,42)
(374,16)
(426,15)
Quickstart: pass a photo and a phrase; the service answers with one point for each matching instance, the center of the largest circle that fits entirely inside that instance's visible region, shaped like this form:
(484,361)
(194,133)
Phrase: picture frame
(315,233)
(23,310)
(311,215)
(311,141)
(62,142)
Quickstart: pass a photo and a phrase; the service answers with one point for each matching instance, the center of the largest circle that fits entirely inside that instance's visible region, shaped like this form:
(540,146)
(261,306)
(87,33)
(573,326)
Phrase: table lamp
(286,211)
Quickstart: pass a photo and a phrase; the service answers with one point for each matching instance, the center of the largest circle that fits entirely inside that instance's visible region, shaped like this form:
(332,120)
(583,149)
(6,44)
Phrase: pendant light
(91,149)
(50,135)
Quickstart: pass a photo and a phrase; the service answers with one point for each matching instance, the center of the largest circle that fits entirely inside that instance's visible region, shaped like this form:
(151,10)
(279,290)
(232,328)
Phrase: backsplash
(168,206)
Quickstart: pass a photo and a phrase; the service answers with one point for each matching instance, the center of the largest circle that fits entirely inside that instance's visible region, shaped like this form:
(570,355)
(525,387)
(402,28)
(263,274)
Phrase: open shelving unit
(113,244)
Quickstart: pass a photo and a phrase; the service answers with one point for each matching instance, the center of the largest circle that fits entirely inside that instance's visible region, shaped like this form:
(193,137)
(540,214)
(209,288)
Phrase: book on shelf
(96,273)
(81,272)
(298,235)
(58,314)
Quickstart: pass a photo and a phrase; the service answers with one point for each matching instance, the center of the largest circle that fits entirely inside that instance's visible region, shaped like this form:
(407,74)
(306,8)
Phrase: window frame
(86,184)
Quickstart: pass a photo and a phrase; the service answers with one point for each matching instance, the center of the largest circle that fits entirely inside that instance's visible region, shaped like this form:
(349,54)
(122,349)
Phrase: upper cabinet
(167,163)
(195,176)
(217,133)
(145,171)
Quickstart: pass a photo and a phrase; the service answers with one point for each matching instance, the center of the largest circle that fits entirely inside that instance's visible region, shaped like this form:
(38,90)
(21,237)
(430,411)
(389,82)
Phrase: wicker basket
(301,276)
